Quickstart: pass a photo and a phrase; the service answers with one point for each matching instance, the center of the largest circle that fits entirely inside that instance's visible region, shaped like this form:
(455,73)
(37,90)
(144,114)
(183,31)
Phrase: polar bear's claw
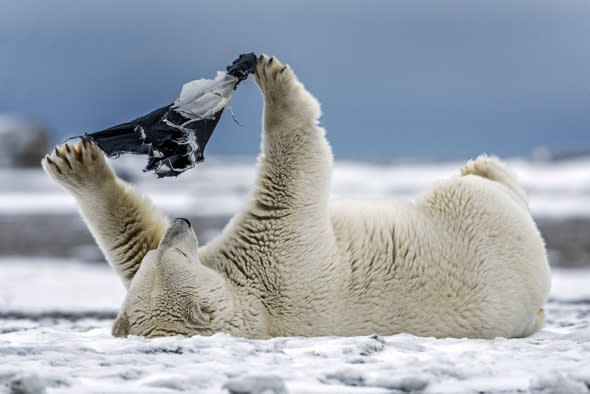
(76,168)
(62,156)
(53,165)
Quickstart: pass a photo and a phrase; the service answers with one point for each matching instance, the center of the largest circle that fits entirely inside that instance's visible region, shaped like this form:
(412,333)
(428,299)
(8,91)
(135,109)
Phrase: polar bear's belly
(408,275)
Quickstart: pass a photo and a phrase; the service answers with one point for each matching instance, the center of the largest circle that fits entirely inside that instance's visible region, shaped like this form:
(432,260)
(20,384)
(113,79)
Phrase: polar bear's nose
(185,220)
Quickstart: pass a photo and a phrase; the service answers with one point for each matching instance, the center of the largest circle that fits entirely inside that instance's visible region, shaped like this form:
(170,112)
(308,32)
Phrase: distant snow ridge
(220,186)
(22,142)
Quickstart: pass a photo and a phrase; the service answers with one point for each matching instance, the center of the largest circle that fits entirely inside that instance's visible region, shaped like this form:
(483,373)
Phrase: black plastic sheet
(174,136)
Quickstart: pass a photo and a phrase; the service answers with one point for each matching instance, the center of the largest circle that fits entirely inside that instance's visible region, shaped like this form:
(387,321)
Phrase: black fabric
(243,66)
(165,135)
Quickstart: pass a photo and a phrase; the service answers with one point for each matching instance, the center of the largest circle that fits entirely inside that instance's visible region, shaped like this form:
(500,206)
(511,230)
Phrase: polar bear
(465,260)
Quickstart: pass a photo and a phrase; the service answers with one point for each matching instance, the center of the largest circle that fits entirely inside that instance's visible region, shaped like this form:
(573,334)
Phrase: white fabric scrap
(203,98)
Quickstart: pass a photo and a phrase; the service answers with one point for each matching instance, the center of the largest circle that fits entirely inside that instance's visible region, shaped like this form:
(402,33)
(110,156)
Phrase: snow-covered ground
(55,315)
(75,353)
(219,186)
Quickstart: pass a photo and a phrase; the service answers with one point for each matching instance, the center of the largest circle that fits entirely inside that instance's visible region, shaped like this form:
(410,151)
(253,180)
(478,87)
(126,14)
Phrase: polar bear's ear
(121,326)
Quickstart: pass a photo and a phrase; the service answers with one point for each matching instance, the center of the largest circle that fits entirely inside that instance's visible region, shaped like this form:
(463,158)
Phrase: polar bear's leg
(494,169)
(296,159)
(124,224)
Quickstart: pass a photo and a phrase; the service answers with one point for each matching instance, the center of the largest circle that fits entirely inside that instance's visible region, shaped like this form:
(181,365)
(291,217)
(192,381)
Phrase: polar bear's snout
(180,234)
(177,227)
(171,292)
(185,220)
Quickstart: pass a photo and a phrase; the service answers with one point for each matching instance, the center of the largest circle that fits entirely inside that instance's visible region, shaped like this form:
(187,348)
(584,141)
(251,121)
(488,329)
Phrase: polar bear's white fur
(466,260)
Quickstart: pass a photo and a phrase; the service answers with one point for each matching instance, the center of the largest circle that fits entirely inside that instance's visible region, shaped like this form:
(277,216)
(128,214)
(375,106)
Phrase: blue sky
(396,79)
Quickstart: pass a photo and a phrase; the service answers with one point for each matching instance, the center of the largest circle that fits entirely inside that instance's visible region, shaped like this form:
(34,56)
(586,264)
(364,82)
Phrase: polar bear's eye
(181,252)
(197,316)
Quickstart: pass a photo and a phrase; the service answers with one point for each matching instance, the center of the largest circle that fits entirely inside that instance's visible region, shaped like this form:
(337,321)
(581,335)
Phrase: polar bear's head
(172,292)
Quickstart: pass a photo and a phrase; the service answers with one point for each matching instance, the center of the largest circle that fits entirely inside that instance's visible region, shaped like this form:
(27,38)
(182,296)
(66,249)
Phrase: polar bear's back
(467,260)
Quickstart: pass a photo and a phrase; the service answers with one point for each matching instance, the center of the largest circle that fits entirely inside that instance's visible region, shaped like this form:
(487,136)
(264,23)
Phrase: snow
(220,187)
(43,285)
(571,285)
(75,353)
(55,315)
(76,356)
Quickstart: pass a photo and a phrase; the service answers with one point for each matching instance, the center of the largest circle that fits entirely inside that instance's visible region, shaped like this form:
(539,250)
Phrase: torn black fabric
(174,136)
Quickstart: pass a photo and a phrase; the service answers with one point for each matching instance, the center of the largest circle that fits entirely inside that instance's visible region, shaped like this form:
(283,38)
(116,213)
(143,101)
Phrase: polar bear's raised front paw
(78,167)
(283,91)
(275,79)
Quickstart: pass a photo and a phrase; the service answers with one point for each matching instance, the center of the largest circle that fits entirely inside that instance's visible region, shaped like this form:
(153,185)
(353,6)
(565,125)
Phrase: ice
(77,354)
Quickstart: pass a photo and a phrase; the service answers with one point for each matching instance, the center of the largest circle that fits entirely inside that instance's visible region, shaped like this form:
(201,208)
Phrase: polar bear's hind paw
(492,168)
